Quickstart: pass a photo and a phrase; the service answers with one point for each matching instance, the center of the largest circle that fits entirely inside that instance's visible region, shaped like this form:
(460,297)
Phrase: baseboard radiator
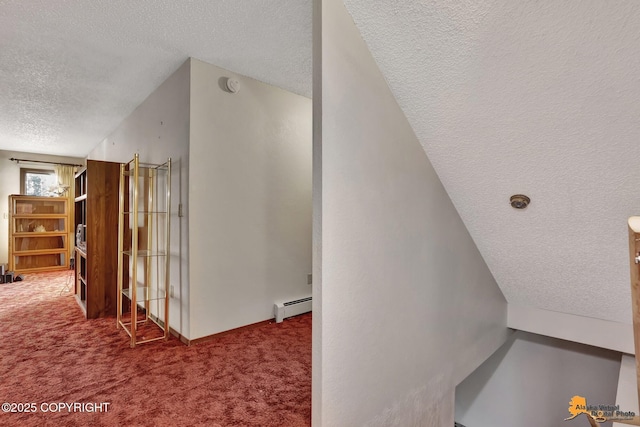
(291,308)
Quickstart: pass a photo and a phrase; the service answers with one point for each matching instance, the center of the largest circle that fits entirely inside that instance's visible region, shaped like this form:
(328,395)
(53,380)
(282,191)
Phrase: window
(37,182)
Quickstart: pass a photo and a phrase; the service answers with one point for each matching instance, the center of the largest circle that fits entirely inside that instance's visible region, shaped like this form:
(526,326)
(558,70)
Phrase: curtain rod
(42,161)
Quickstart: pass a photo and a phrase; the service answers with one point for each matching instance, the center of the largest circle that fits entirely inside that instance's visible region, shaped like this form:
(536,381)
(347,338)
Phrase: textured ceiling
(541,98)
(534,97)
(72,70)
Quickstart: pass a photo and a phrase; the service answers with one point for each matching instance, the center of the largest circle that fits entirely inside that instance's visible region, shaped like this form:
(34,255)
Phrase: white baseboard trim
(586,330)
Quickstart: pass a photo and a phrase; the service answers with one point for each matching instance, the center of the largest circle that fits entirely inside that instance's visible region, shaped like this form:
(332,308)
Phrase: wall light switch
(5,215)
(309,279)
(171,293)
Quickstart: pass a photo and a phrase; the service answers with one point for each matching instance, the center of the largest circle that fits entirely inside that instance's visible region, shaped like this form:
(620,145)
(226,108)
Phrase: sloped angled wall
(408,306)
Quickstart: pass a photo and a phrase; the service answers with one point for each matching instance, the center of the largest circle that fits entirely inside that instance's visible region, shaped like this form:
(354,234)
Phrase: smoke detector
(233,85)
(519,201)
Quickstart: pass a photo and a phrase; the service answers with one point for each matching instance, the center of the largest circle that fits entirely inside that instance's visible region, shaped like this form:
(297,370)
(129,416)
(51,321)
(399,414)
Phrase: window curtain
(66,188)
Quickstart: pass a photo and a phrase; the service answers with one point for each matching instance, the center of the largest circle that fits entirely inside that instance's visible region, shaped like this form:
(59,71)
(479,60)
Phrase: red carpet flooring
(50,355)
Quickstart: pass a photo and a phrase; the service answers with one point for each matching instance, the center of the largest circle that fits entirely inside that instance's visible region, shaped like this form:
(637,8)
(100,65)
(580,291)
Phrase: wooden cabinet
(38,233)
(96,225)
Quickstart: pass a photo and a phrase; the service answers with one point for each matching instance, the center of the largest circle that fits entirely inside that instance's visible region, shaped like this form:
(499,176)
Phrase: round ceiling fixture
(519,201)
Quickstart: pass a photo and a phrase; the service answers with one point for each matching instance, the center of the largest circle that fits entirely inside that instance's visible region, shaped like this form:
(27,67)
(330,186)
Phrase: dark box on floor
(5,276)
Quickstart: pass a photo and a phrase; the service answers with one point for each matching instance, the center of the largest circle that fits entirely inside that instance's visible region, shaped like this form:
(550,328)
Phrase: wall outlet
(309,279)
(171,291)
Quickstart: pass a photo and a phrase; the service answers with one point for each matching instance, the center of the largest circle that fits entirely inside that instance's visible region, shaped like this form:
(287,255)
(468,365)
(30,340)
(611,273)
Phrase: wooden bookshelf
(96,226)
(38,233)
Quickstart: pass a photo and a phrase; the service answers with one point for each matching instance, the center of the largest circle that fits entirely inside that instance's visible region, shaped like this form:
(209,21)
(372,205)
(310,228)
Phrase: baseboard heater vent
(292,308)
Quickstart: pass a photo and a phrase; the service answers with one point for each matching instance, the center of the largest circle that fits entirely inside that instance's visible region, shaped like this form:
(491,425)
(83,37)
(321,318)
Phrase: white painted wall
(158,129)
(530,380)
(10,184)
(627,393)
(242,171)
(250,200)
(409,307)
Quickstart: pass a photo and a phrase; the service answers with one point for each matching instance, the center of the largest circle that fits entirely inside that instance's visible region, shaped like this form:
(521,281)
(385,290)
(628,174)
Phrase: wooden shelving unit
(38,233)
(96,225)
(634,261)
(143,247)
